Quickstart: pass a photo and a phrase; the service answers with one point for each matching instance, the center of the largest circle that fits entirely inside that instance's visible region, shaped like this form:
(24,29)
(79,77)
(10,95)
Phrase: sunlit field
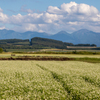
(49,80)
(60,55)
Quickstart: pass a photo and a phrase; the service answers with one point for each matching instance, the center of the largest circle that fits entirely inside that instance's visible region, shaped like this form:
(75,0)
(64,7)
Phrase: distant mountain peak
(85,31)
(62,32)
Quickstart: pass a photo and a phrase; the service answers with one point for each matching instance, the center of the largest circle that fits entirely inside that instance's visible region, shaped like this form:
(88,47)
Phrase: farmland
(54,55)
(51,80)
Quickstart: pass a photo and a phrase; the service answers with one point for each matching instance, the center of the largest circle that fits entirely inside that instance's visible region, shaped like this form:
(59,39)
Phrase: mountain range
(82,36)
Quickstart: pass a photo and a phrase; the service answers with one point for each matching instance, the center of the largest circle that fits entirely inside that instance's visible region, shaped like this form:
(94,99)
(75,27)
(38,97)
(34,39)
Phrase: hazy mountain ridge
(82,36)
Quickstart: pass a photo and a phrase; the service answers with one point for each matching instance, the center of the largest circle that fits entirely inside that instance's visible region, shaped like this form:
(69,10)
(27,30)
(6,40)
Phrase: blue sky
(50,16)
(41,5)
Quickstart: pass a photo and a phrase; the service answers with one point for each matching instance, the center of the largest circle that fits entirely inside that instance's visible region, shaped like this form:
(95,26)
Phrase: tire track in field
(91,81)
(66,87)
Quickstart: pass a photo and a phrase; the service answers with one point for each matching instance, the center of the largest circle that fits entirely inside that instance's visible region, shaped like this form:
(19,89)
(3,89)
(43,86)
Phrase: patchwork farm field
(49,80)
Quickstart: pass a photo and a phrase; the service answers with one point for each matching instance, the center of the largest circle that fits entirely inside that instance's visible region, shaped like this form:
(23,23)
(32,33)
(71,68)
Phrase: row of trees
(91,45)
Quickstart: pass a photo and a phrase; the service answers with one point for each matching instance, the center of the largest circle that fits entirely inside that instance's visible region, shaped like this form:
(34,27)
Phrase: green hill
(47,43)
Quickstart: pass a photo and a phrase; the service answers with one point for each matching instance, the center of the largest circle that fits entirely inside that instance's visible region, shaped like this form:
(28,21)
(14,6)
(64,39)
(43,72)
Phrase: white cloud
(3,17)
(54,10)
(68,7)
(16,19)
(69,17)
(74,8)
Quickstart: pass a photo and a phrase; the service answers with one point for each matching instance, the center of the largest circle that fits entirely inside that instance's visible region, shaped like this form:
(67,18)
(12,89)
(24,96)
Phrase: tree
(93,45)
(1,50)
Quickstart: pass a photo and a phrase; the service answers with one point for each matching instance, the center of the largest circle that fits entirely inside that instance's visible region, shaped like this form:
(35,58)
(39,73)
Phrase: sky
(50,16)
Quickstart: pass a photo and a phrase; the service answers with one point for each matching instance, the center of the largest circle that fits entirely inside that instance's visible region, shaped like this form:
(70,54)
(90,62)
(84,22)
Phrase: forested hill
(36,43)
(44,42)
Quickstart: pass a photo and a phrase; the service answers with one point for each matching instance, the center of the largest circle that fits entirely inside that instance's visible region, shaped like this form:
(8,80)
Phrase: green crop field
(60,55)
(49,80)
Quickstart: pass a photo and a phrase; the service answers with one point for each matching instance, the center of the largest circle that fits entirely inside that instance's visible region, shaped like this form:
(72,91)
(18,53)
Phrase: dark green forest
(37,43)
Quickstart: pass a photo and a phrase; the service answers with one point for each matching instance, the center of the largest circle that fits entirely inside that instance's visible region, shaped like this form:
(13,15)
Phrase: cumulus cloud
(73,8)
(68,17)
(3,17)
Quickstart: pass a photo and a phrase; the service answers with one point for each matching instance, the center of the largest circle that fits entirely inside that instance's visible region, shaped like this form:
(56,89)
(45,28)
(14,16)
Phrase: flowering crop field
(49,80)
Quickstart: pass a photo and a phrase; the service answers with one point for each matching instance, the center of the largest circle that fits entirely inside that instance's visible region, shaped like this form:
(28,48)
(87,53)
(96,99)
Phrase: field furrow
(50,80)
(93,81)
(27,81)
(69,74)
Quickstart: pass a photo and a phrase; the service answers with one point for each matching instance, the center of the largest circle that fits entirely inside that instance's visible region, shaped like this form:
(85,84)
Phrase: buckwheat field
(49,80)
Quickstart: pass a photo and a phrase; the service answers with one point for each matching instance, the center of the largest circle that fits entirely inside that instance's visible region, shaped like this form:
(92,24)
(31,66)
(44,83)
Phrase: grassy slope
(71,80)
